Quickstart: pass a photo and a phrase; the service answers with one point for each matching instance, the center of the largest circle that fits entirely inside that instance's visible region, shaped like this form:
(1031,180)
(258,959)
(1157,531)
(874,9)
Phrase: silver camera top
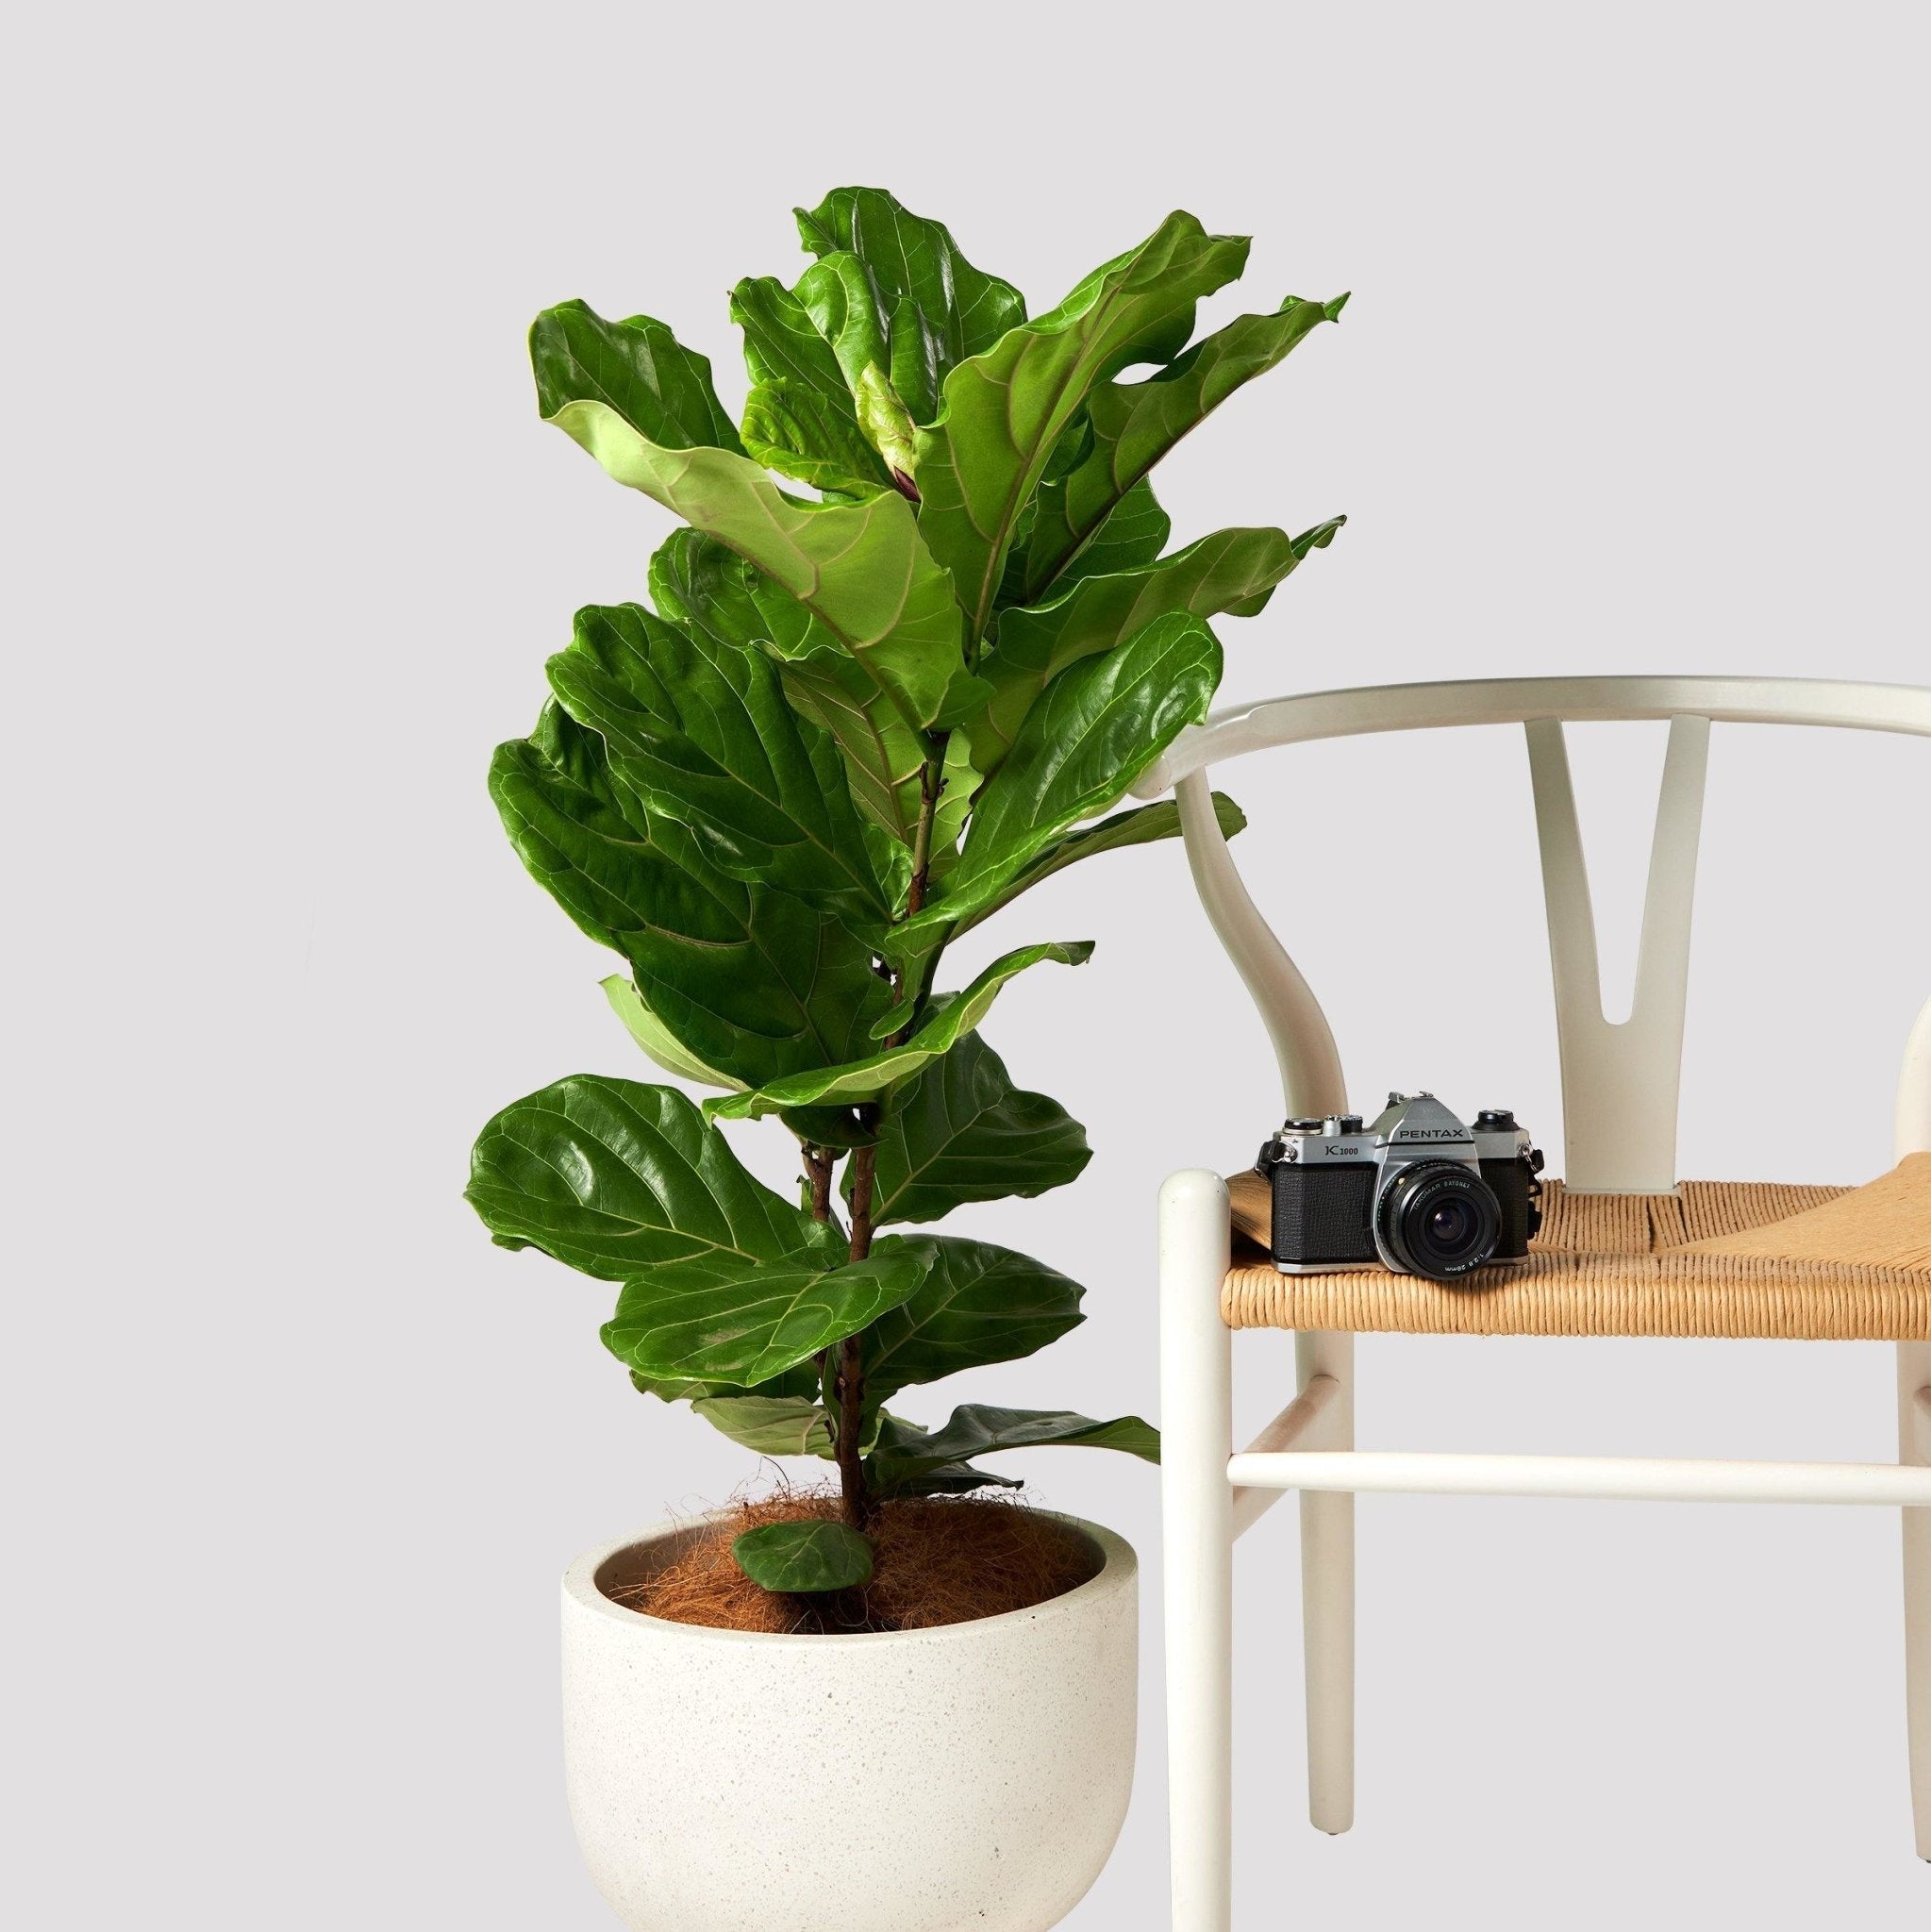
(1410,1127)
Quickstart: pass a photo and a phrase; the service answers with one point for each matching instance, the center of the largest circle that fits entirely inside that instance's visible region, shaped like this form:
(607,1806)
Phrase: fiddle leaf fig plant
(920,634)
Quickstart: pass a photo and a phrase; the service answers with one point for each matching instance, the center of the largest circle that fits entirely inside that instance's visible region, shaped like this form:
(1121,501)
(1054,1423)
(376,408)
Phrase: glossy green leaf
(955,1480)
(930,307)
(770,1424)
(962,1131)
(796,432)
(746,979)
(887,423)
(796,1384)
(1136,424)
(613,1176)
(947,1023)
(788,355)
(704,585)
(1140,824)
(1134,535)
(884,755)
(1232,571)
(908,1455)
(656,1039)
(700,732)
(637,368)
(1006,409)
(862,569)
(747,1318)
(696,580)
(1100,723)
(801,1558)
(977,1304)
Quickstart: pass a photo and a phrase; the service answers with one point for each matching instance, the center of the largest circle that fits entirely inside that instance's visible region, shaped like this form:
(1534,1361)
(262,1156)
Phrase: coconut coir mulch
(933,1561)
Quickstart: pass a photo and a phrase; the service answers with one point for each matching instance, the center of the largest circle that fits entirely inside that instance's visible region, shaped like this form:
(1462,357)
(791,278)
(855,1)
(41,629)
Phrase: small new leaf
(801,1558)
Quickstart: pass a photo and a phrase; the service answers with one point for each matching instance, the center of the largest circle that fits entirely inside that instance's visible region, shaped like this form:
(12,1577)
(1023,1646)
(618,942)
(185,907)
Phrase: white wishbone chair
(1637,1254)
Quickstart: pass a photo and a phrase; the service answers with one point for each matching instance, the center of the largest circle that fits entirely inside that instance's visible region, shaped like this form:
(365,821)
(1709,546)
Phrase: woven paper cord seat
(1734,1259)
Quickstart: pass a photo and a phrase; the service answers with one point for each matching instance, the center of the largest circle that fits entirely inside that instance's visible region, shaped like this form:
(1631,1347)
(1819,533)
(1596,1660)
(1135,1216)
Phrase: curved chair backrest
(1620,1082)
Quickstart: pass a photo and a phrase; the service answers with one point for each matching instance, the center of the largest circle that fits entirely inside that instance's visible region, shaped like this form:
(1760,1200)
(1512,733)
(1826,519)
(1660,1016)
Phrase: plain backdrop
(1633,379)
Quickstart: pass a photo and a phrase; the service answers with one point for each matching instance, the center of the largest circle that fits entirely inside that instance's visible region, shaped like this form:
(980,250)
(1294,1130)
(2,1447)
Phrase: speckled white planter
(970,1778)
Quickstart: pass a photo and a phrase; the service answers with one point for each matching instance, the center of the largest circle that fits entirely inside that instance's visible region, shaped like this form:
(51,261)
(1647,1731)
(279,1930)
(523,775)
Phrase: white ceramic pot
(969,1779)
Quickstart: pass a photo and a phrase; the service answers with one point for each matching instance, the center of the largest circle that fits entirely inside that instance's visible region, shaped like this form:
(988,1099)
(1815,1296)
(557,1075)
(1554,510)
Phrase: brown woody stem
(818,1162)
(851,1363)
(855,1506)
(931,782)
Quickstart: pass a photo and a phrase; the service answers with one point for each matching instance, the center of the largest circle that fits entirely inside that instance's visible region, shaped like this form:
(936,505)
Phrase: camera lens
(1437,1219)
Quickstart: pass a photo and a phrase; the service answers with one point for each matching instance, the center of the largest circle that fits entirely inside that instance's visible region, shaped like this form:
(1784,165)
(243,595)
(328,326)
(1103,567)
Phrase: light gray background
(1634,379)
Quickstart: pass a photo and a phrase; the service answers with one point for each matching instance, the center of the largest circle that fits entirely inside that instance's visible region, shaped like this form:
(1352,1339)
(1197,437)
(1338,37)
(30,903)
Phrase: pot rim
(1118,1569)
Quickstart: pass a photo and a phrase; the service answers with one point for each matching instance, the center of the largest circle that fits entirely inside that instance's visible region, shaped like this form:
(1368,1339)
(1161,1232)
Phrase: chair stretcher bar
(1613,1478)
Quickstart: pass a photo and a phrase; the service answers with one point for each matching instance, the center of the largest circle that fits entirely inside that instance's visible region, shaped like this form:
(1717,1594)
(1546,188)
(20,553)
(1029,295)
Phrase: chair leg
(1197,1508)
(1914,1445)
(1327,1602)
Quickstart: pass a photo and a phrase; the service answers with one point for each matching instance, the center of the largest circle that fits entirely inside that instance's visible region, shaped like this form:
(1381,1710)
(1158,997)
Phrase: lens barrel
(1437,1219)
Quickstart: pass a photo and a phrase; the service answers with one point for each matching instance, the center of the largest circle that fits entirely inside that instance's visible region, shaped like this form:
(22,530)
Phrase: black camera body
(1414,1191)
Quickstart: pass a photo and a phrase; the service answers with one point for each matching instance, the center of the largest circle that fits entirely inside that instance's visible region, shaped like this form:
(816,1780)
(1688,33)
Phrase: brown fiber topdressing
(933,1561)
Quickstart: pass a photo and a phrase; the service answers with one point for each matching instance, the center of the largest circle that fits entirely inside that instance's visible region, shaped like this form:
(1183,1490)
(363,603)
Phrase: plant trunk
(857,1507)
(818,1171)
(931,782)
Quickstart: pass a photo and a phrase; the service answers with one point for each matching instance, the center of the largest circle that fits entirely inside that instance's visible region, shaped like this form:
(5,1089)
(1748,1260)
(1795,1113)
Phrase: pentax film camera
(1414,1191)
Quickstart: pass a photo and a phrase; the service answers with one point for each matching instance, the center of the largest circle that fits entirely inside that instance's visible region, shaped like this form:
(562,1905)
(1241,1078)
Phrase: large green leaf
(789,1425)
(962,1131)
(862,569)
(796,432)
(947,1021)
(1100,723)
(747,979)
(817,424)
(800,1383)
(746,1320)
(1136,424)
(699,582)
(1134,535)
(613,1176)
(656,1039)
(1232,571)
(1006,409)
(884,755)
(770,1424)
(637,368)
(977,1304)
(802,1558)
(700,732)
(1140,824)
(907,1457)
(930,308)
(704,585)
